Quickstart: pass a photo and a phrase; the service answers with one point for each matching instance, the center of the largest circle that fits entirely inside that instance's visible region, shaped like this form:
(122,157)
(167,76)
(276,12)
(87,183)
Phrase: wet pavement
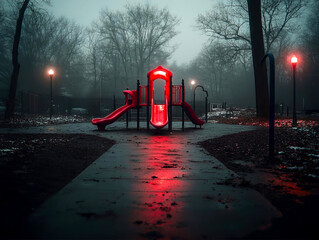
(151,185)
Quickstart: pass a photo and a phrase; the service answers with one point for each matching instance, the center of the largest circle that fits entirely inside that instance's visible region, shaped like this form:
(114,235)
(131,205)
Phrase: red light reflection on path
(158,205)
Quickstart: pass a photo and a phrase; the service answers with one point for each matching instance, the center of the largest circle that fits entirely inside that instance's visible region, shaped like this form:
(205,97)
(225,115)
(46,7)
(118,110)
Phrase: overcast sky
(189,40)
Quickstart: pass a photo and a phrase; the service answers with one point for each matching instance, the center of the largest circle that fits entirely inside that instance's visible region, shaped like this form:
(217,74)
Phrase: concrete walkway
(152,185)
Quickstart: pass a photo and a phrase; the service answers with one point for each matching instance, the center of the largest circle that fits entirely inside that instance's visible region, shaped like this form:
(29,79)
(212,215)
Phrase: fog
(100,48)
(188,42)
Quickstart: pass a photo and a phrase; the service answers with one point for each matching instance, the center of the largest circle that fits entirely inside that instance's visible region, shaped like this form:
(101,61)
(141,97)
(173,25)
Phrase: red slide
(192,115)
(159,114)
(130,103)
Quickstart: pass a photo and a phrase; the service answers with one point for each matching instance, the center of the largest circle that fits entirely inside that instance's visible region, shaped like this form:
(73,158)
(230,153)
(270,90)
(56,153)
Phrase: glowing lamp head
(193,82)
(294,60)
(51,72)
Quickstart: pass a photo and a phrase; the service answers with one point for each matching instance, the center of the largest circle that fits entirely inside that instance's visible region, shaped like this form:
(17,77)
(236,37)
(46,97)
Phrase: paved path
(152,185)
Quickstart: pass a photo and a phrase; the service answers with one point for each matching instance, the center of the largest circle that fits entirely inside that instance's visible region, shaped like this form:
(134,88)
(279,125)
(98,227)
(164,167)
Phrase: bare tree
(46,40)
(311,33)
(5,66)
(138,34)
(258,51)
(249,26)
(15,63)
(22,6)
(151,31)
(230,20)
(114,27)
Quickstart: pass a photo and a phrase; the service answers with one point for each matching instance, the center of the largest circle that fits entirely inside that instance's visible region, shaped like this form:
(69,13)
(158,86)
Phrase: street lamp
(51,73)
(294,61)
(193,82)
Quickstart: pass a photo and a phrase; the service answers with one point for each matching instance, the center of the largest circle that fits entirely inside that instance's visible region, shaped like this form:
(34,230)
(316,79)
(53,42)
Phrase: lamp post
(193,82)
(51,73)
(294,61)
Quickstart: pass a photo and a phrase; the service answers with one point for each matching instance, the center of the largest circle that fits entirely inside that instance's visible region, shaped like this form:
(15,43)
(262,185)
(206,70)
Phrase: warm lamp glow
(193,82)
(294,60)
(51,72)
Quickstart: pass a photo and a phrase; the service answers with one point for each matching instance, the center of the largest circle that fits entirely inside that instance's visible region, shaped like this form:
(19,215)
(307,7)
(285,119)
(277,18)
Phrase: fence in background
(33,103)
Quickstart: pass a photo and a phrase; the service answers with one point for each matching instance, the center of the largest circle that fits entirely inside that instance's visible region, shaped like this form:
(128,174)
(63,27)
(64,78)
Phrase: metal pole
(271,105)
(100,95)
(170,105)
(294,115)
(206,100)
(147,105)
(51,98)
(21,99)
(194,99)
(138,105)
(127,116)
(183,104)
(272,108)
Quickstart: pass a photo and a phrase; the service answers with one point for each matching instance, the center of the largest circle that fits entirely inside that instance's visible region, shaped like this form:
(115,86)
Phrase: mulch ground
(290,182)
(35,166)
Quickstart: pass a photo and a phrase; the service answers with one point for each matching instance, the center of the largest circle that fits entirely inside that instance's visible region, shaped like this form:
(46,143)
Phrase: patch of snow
(313,155)
(294,168)
(300,148)
(6,150)
(281,152)
(313,176)
(212,121)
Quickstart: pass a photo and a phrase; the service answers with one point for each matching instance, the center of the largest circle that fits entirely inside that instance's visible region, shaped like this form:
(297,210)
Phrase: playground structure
(161,114)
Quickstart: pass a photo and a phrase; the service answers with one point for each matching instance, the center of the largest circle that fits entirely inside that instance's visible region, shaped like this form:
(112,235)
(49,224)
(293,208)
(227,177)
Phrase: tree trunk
(258,52)
(15,63)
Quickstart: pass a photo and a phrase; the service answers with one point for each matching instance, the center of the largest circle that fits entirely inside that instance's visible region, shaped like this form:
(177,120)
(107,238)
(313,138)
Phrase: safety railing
(143,95)
(177,94)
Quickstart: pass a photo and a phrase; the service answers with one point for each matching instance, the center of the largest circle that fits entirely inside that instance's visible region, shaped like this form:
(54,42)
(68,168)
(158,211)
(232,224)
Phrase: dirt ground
(290,182)
(35,166)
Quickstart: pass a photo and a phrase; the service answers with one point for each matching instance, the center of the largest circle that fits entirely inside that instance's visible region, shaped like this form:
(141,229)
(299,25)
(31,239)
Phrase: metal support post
(127,116)
(294,114)
(51,98)
(148,104)
(206,110)
(170,112)
(138,104)
(271,105)
(183,104)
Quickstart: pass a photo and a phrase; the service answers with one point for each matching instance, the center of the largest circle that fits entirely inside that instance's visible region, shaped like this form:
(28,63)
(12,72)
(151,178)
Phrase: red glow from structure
(161,73)
(159,113)
(158,201)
